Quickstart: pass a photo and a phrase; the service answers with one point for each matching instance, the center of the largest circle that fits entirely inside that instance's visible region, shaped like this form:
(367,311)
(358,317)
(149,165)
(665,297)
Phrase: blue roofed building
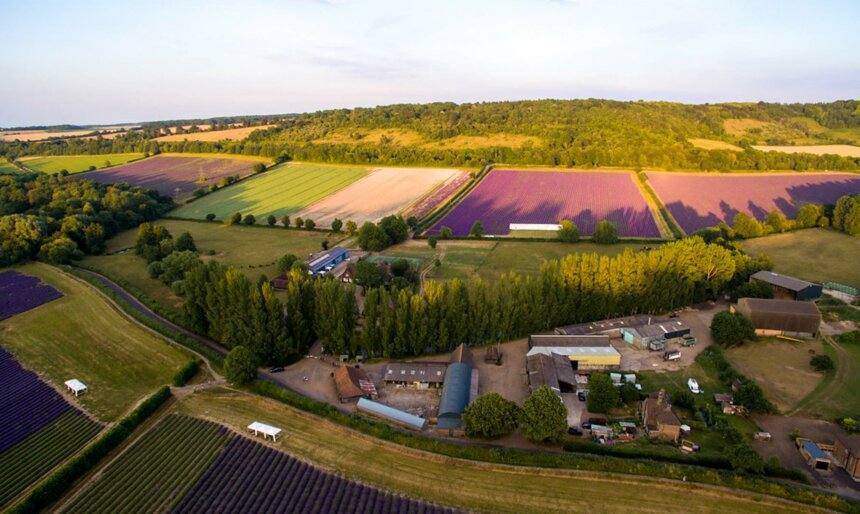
(326,261)
(458,391)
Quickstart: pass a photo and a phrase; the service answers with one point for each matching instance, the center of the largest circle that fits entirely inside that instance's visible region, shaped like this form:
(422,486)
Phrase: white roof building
(267,430)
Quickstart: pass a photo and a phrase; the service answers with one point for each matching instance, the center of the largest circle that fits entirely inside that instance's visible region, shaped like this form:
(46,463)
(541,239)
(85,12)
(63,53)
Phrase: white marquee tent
(76,386)
(267,430)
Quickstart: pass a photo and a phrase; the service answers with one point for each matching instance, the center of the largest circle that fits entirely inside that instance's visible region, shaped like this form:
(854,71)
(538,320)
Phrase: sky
(101,62)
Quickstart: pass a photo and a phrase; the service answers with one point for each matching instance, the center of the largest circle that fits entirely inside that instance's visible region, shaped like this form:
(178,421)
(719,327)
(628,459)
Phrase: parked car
(694,386)
(276,369)
(581,396)
(574,431)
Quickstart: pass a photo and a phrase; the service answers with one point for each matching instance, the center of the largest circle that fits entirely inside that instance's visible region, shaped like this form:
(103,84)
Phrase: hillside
(582,133)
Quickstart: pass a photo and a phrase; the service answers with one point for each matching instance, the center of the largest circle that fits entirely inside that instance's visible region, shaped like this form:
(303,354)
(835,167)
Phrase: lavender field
(698,201)
(174,175)
(509,196)
(20,293)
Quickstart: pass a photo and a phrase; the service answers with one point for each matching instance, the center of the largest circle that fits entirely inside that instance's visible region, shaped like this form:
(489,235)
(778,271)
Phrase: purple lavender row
(539,197)
(698,201)
(423,207)
(20,293)
(173,175)
(251,477)
(26,403)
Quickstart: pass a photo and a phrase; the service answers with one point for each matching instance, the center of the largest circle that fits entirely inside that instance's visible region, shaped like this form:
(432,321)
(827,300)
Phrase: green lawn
(836,395)
(79,163)
(282,190)
(250,249)
(82,336)
(817,255)
(7,166)
(490,259)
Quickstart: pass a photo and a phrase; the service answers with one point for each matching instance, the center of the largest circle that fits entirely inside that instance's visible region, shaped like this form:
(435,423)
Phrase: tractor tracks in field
(844,369)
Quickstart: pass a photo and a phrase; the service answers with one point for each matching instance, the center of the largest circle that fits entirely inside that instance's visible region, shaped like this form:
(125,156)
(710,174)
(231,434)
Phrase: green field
(816,254)
(836,395)
(29,460)
(464,484)
(157,471)
(82,336)
(78,163)
(282,190)
(250,249)
(6,166)
(490,259)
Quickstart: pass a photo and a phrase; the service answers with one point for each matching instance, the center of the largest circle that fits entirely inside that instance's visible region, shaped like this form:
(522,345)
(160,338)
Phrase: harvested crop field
(38,135)
(547,197)
(174,176)
(282,190)
(79,163)
(843,150)
(384,191)
(698,201)
(233,134)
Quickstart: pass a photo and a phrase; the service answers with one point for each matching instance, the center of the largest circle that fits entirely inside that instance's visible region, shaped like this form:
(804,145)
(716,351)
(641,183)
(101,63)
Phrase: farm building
(726,402)
(815,456)
(610,327)
(280,283)
(391,415)
(584,352)
(459,390)
(788,288)
(659,418)
(326,261)
(846,454)
(352,383)
(780,317)
(654,335)
(421,375)
(553,371)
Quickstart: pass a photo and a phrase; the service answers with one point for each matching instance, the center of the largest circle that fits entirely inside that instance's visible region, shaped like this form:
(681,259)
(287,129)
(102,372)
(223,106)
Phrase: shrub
(852,337)
(285,220)
(155,269)
(412,221)
(446,233)
(750,395)
(568,232)
(822,363)
(684,399)
(185,243)
(310,224)
(198,193)
(271,220)
(432,241)
(210,217)
(743,458)
(544,416)
(351,228)
(731,328)
(477,229)
(602,394)
(490,416)
(605,233)
(235,218)
(259,167)
(285,262)
(186,372)
(299,222)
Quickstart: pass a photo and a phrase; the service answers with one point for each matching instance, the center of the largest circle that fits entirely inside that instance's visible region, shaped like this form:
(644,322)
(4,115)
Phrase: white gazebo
(76,386)
(267,430)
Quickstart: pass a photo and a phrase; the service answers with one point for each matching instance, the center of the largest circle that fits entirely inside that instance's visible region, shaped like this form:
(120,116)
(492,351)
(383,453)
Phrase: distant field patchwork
(79,163)
(843,150)
(279,191)
(547,197)
(698,201)
(215,135)
(172,175)
(384,191)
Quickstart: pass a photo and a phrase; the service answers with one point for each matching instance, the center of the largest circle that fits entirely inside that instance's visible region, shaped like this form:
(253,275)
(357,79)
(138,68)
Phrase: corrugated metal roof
(455,391)
(584,351)
(431,372)
(568,340)
(385,411)
(785,315)
(324,259)
(783,281)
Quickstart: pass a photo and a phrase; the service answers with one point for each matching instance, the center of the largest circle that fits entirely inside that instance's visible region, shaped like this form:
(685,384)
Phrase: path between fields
(844,368)
(423,275)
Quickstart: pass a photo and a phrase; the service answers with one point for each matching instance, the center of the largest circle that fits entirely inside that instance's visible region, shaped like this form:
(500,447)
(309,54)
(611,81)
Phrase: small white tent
(267,430)
(76,386)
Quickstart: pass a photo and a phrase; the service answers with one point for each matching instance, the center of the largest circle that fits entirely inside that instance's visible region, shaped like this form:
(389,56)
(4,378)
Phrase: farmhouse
(780,317)
(659,418)
(326,261)
(352,383)
(654,336)
(788,288)
(459,390)
(391,415)
(421,375)
(584,352)
(846,454)
(553,371)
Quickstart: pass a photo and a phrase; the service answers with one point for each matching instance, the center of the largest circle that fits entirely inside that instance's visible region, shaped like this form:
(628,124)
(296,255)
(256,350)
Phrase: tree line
(222,303)
(60,218)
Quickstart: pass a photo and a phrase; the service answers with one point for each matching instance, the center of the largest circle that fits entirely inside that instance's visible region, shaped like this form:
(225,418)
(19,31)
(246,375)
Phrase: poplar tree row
(223,304)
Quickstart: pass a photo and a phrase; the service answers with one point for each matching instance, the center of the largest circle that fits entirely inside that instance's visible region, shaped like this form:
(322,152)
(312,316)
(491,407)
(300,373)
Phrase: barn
(780,317)
(459,390)
(585,353)
(789,288)
(654,336)
(326,261)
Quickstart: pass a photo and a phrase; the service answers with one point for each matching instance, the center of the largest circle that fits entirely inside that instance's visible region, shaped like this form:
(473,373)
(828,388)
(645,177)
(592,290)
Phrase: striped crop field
(547,197)
(187,464)
(286,189)
(698,200)
(79,163)
(38,428)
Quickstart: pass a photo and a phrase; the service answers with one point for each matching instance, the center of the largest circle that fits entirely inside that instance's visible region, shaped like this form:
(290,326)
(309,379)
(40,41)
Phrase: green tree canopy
(602,394)
(544,416)
(490,416)
(731,328)
(477,229)
(568,232)
(372,237)
(605,233)
(239,366)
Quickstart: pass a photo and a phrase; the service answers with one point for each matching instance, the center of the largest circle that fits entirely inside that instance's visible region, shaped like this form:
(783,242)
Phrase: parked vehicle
(574,431)
(689,341)
(277,369)
(694,386)
(581,396)
(672,355)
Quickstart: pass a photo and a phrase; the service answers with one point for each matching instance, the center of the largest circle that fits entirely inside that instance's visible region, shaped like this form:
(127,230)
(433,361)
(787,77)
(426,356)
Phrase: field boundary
(443,209)
(664,219)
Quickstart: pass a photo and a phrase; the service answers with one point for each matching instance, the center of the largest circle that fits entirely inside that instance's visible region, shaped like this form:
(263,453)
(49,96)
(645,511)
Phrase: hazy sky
(125,61)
